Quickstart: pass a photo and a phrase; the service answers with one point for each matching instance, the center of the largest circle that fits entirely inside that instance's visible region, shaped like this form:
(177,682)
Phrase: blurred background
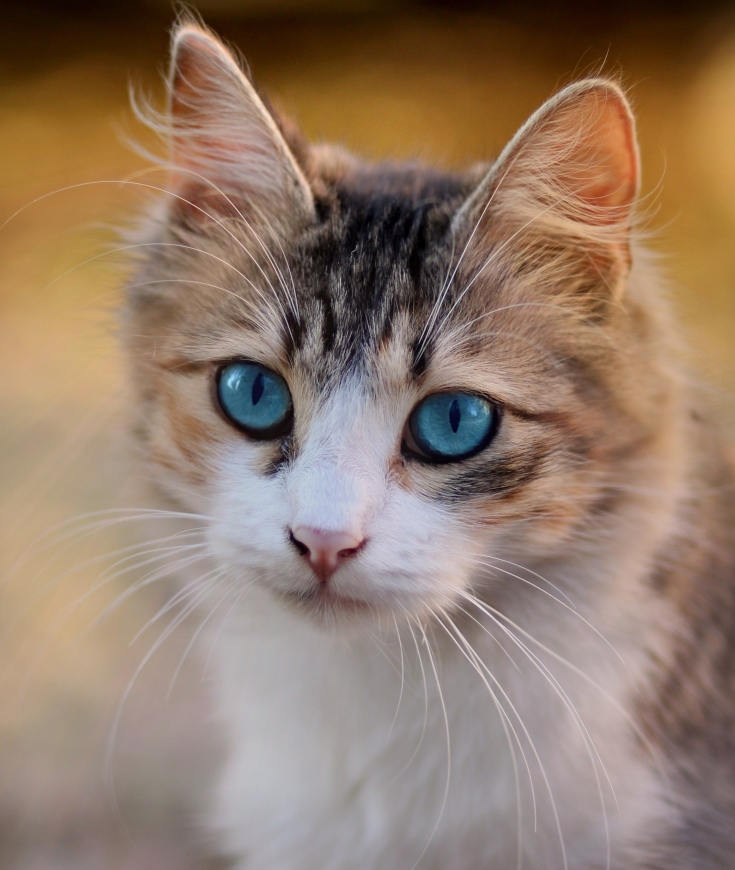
(447,82)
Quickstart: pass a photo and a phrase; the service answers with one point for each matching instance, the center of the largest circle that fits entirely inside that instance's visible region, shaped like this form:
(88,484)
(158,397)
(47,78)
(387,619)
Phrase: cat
(471,536)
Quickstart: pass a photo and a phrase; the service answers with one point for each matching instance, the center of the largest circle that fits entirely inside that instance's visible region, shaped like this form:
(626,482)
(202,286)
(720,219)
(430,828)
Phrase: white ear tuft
(226,148)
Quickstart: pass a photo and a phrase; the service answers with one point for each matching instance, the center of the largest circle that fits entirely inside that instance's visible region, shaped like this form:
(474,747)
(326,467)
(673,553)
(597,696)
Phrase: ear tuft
(227,151)
(559,200)
(590,136)
(577,156)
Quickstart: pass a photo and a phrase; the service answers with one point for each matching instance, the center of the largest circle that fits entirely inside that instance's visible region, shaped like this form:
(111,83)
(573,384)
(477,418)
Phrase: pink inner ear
(600,163)
(198,85)
(226,147)
(216,131)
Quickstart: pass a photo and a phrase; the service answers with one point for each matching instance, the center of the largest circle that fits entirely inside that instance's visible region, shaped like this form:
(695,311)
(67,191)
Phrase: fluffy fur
(531,658)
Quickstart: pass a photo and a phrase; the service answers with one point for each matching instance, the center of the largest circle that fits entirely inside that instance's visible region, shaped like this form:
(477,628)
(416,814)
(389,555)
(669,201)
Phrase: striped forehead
(367,277)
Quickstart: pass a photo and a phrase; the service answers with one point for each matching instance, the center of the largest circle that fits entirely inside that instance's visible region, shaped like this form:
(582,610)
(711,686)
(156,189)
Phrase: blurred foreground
(443,86)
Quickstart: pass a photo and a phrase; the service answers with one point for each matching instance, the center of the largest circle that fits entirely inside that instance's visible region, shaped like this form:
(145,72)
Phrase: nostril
(325,549)
(303,550)
(350,551)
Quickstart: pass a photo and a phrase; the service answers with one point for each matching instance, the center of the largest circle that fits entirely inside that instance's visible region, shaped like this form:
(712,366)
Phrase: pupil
(259,387)
(454,415)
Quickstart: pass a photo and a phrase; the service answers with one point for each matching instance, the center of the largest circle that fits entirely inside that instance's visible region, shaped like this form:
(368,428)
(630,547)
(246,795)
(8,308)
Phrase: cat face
(385,385)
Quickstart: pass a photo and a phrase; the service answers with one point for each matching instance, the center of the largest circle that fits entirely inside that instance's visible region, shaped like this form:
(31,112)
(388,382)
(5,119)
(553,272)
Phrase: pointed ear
(570,176)
(227,153)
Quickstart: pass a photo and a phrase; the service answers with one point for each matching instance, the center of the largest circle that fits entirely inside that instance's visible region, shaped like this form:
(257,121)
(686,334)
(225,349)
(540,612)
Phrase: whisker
(556,686)
(222,224)
(426,699)
(449,745)
(145,557)
(47,473)
(269,256)
(580,673)
(450,280)
(240,595)
(115,516)
(167,570)
(62,618)
(115,726)
(543,579)
(182,594)
(195,635)
(515,712)
(134,551)
(571,608)
(471,655)
(139,245)
(400,694)
(494,255)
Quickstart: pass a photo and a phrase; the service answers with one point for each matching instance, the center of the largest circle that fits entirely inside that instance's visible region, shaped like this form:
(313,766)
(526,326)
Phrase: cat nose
(325,550)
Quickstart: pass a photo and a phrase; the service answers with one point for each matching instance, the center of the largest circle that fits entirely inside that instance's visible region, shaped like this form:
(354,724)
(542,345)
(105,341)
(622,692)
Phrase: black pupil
(454,415)
(259,387)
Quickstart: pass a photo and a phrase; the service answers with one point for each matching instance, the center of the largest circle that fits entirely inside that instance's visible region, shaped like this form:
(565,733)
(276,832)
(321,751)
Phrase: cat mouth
(324,601)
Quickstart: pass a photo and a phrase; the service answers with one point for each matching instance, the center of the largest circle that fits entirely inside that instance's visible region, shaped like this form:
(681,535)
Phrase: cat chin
(329,610)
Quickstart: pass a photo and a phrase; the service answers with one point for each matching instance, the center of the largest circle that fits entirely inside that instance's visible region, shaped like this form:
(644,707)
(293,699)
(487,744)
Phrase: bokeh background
(446,82)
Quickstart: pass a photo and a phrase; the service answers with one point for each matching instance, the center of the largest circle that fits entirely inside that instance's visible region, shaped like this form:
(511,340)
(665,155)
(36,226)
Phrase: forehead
(361,285)
(368,274)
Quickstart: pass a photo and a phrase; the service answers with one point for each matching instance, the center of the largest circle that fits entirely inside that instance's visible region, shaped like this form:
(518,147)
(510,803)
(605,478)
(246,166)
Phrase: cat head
(382,384)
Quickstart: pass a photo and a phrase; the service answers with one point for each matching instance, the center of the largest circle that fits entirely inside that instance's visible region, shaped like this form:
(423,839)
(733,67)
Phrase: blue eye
(255,399)
(450,426)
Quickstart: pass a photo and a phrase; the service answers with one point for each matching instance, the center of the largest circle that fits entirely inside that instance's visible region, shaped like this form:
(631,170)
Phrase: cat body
(475,564)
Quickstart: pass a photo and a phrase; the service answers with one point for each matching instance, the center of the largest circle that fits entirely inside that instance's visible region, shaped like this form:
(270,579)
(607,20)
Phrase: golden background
(432,81)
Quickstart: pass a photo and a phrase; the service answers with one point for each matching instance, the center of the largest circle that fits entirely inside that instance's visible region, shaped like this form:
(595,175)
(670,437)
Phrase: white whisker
(158,189)
(238,597)
(449,744)
(192,640)
(426,700)
(594,755)
(488,562)
(114,728)
(403,674)
(472,657)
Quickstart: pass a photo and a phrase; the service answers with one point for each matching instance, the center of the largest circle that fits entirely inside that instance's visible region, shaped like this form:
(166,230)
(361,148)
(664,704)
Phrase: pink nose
(325,550)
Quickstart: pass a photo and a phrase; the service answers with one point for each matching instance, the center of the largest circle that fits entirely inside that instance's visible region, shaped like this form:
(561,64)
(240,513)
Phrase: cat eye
(255,399)
(447,427)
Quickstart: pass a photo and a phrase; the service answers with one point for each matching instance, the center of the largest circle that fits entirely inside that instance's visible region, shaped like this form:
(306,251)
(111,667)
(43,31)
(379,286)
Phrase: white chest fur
(345,754)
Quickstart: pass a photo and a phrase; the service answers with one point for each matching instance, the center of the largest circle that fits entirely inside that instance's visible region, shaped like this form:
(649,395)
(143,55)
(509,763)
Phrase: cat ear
(570,176)
(227,153)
